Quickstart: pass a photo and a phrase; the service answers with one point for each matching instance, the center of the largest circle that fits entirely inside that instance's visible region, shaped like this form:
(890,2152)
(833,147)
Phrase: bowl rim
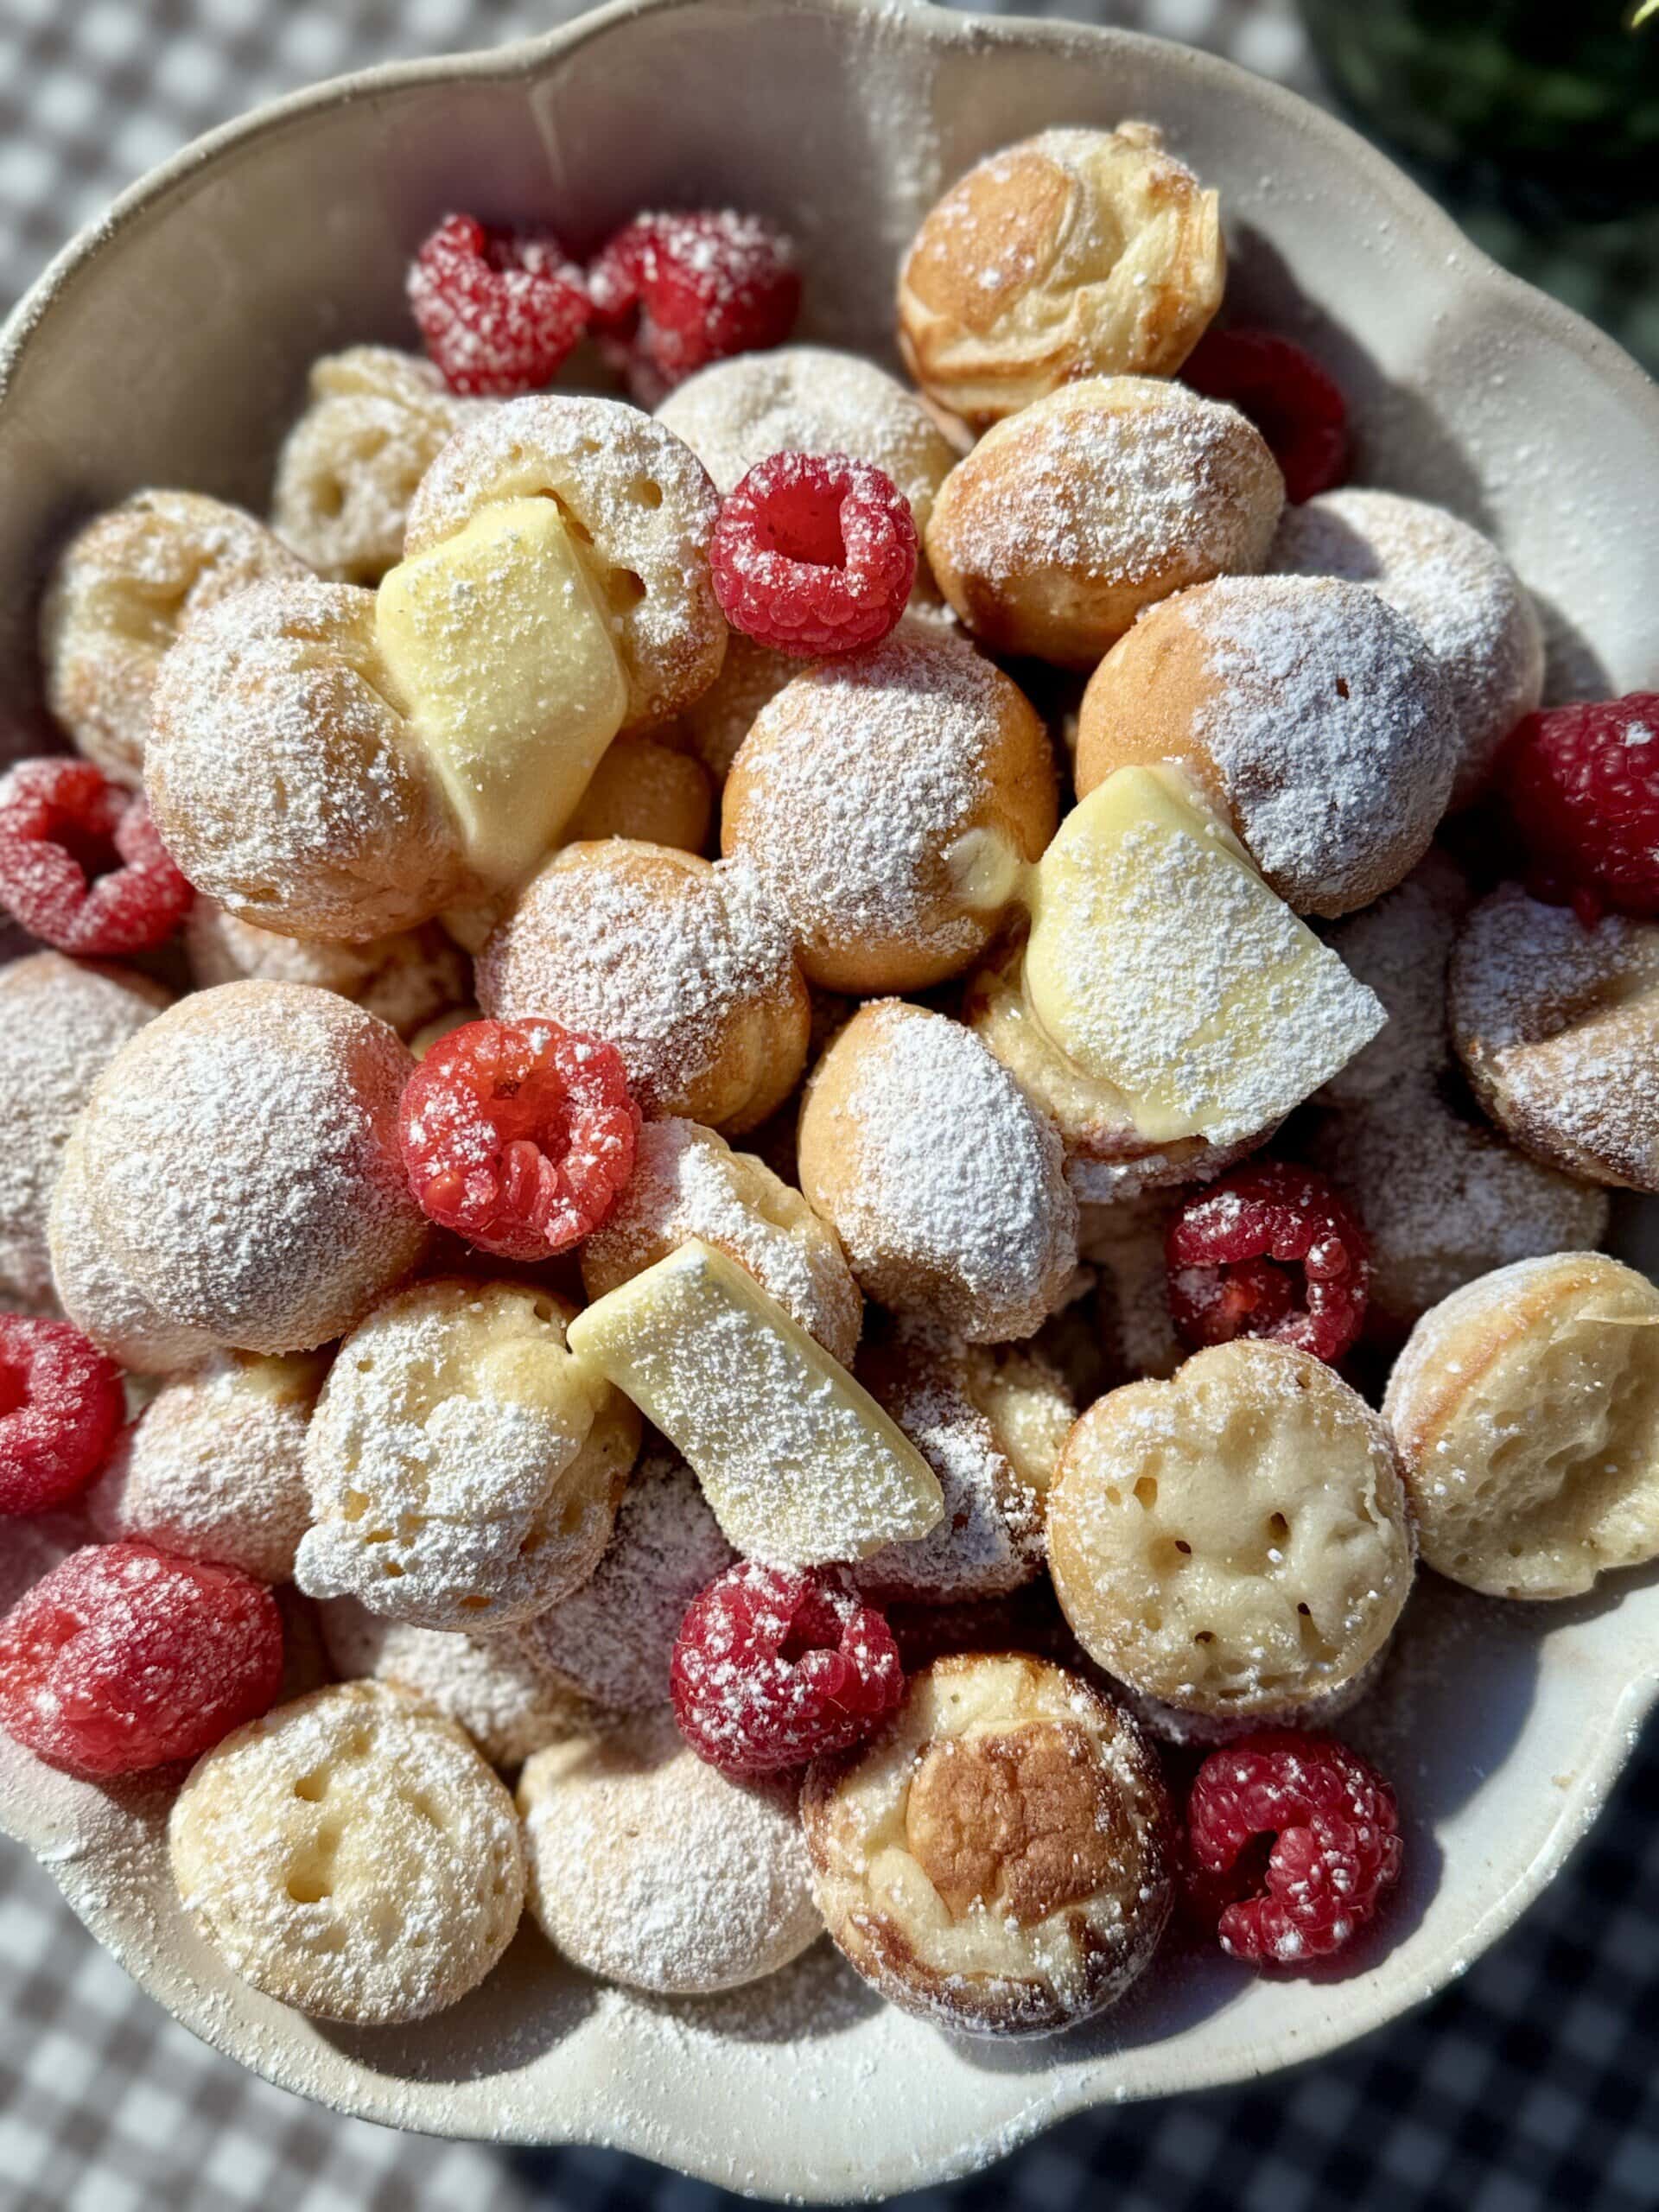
(890,2171)
(523,61)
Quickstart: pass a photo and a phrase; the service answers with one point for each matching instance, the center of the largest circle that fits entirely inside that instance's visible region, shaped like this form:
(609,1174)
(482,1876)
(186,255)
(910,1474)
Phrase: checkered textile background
(1531,2086)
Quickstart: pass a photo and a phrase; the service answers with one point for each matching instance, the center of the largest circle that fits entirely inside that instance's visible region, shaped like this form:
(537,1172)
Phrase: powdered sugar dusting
(212,1469)
(612,1639)
(856,780)
(463,1468)
(687,1182)
(1118,481)
(490,1685)
(241,1160)
(123,589)
(1330,724)
(809,399)
(1399,948)
(1555,1024)
(651,1869)
(1159,1013)
(279,773)
(63,1022)
(657,952)
(954,1199)
(799,1468)
(351,1854)
(100,1296)
(406,979)
(1455,584)
(645,503)
(773,1668)
(990,1539)
(1443,1199)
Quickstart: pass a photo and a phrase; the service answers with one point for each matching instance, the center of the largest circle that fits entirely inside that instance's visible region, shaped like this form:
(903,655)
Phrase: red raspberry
(82,865)
(1582,784)
(1270,1250)
(672,293)
(518,1136)
(499,309)
(1298,408)
(814,554)
(1335,1850)
(124,1658)
(773,1666)
(61,1405)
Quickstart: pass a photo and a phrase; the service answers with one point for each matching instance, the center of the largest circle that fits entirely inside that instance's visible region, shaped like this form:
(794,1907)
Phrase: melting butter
(1159,963)
(799,1462)
(500,642)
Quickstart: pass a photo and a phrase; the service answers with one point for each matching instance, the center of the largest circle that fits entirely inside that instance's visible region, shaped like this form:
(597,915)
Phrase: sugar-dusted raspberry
(1582,784)
(1270,1250)
(518,1136)
(82,865)
(1296,405)
(774,1666)
(61,1406)
(673,292)
(124,1658)
(814,554)
(1293,1840)
(499,309)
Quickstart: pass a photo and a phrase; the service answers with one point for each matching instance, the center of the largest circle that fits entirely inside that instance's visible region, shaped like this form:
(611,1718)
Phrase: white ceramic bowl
(169,345)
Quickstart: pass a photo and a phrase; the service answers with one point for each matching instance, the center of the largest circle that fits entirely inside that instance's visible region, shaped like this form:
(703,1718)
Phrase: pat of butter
(799,1462)
(282,1378)
(472,926)
(501,644)
(985,870)
(1161,963)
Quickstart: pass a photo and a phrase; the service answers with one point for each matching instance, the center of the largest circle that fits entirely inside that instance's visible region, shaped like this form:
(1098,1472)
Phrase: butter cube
(1161,964)
(799,1462)
(500,645)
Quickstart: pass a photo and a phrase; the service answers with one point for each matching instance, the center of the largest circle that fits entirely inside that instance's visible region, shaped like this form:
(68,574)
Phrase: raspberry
(82,865)
(518,1136)
(814,554)
(122,1658)
(672,293)
(1335,1851)
(1297,407)
(1582,784)
(61,1405)
(1270,1250)
(499,309)
(773,1666)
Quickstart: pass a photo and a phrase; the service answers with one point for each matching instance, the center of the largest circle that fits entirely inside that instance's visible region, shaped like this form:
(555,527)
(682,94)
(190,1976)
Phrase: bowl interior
(172,348)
